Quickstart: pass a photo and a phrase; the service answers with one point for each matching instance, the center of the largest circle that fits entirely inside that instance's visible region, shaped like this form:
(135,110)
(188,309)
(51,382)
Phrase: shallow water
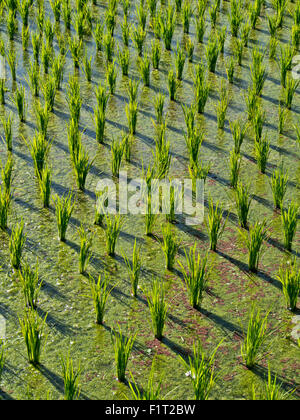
(70,321)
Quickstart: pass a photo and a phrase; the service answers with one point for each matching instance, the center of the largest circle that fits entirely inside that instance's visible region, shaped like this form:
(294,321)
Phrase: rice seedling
(111,77)
(168,23)
(230,68)
(289,220)
(221,39)
(74,138)
(180,58)
(117,153)
(124,58)
(99,123)
(45,179)
(126,7)
(122,349)
(17,242)
(102,97)
(63,211)
(254,240)
(258,72)
(7,127)
(42,117)
(56,9)
(222,107)
(85,249)
(156,26)
(31,286)
(285,63)
(46,56)
(251,101)
(32,328)
(39,148)
(290,280)
(272,24)
(155,53)
(11,24)
(273,47)
(141,15)
(258,122)
(290,90)
(295,38)
(49,92)
(243,202)
(194,141)
(245,33)
(235,17)
(5,200)
(162,160)
(199,171)
(200,368)
(189,46)
(262,152)
(98,35)
(159,102)
(11,59)
(158,308)
(25,38)
(23,9)
(109,46)
(100,292)
(6,173)
(238,132)
(212,53)
(186,14)
(238,50)
(74,99)
(134,268)
(213,13)
(172,85)
(272,390)
(235,166)
(34,75)
(66,13)
(82,166)
(201,89)
(127,142)
(254,338)
(144,68)
(75,46)
(2,91)
(112,232)
(169,246)
(152,7)
(151,392)
(200,29)
(71,378)
(215,225)
(282,116)
(279,181)
(189,118)
(87,67)
(138,38)
(36,46)
(125,31)
(19,101)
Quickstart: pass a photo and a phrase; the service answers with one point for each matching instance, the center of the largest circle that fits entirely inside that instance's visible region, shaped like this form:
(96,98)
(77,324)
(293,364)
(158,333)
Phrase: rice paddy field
(203,89)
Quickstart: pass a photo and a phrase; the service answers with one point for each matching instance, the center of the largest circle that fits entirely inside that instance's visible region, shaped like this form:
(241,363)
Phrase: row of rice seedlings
(122,350)
(16,245)
(32,328)
(64,207)
(7,123)
(134,268)
(289,277)
(100,292)
(158,308)
(243,202)
(289,218)
(254,240)
(71,378)
(31,285)
(112,232)
(85,255)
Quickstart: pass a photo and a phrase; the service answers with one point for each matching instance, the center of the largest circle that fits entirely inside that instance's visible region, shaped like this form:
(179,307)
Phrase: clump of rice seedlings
(194,141)
(162,160)
(99,123)
(150,393)
(46,56)
(262,152)
(159,102)
(82,166)
(42,117)
(63,211)
(238,49)
(251,101)
(32,328)
(39,148)
(180,58)
(245,33)
(36,46)
(236,16)
(73,98)
(235,167)
(295,39)
(25,38)
(87,67)
(200,29)
(290,280)
(255,337)
(282,115)
(150,217)
(112,232)
(212,53)
(11,24)
(111,77)
(172,85)
(17,242)
(156,26)
(243,202)
(158,308)
(20,103)
(49,32)
(168,23)
(110,18)
(126,6)
(255,11)
(34,79)
(109,46)
(2,91)
(155,53)
(134,268)
(125,31)
(56,9)
(71,379)
(189,118)
(189,45)
(238,131)
(117,153)
(222,107)
(215,225)
(58,70)
(279,183)
(258,72)
(221,39)
(290,90)
(98,35)
(213,13)
(144,68)
(258,121)
(78,23)
(230,68)
(5,200)
(122,349)
(186,14)
(30,284)
(138,38)
(85,249)
(289,220)
(44,180)
(23,9)
(131,110)
(127,142)
(102,97)
(124,58)
(200,368)
(273,47)
(201,88)
(49,92)
(6,173)
(199,171)
(152,7)
(74,138)
(169,246)
(7,127)
(272,24)
(254,240)
(100,293)
(141,15)
(195,276)
(132,89)
(272,390)
(285,63)
(75,46)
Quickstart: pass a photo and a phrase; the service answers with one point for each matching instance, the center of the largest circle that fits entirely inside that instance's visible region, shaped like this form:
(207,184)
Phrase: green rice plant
(5,200)
(290,90)
(213,13)
(25,38)
(289,219)
(74,138)
(117,153)
(71,379)
(258,72)
(290,280)
(235,167)
(74,99)
(262,152)
(156,26)
(295,38)
(138,38)
(243,202)
(44,180)
(2,357)
(168,24)
(200,29)
(150,393)
(99,123)
(273,47)
(66,12)
(158,308)
(296,15)
(245,33)
(40,18)
(112,232)
(132,89)
(49,92)
(238,50)
(2,91)
(199,171)
(194,141)
(46,56)
(82,166)
(125,31)
(258,122)
(152,7)
(127,142)
(124,58)
(255,11)
(230,68)
(222,38)
(63,211)
(99,213)
(111,77)
(285,63)
(49,32)
(75,47)
(11,24)
(251,101)
(200,368)
(272,24)
(238,132)
(178,5)
(255,337)
(109,46)
(212,53)
(159,102)
(85,249)
(236,16)
(215,225)
(126,6)
(102,97)
(100,293)
(144,69)
(279,181)
(172,85)
(186,14)
(6,173)
(282,116)
(201,88)
(222,107)
(122,349)
(297,130)
(39,148)
(20,103)
(87,67)
(195,276)
(32,328)
(254,240)
(169,246)
(141,15)
(58,70)
(162,159)
(272,390)
(42,117)
(78,23)
(7,123)
(180,58)
(23,9)
(150,217)
(202,6)
(34,76)
(134,268)
(16,245)
(56,9)
(189,46)
(189,118)
(36,46)
(98,35)
(155,53)
(30,284)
